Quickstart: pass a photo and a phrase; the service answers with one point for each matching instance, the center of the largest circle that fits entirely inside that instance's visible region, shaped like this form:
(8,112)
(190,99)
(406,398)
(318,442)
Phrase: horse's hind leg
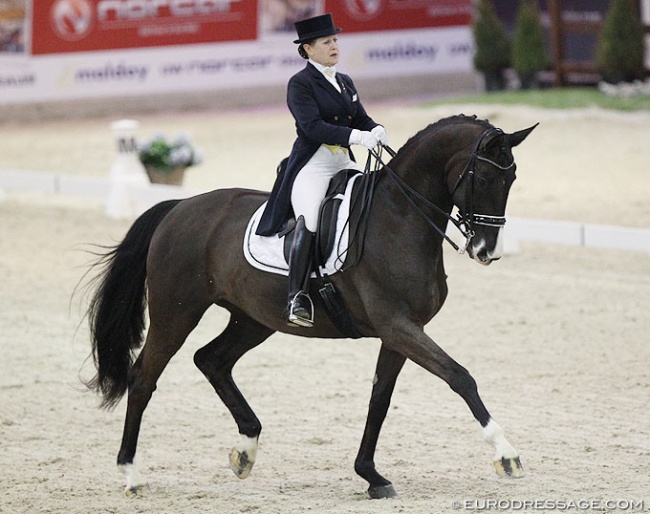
(163,341)
(216,360)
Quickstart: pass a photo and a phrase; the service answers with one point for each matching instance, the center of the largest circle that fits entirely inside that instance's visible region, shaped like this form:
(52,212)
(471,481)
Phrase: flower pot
(173,176)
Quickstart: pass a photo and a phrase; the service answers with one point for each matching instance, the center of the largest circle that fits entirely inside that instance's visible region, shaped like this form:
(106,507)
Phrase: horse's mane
(443,123)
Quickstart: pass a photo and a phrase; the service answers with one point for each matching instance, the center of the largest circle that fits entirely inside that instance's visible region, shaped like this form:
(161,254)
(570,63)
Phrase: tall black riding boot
(300,309)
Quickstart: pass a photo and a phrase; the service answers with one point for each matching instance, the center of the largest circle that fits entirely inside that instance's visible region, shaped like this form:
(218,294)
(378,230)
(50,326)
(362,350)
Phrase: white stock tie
(330,75)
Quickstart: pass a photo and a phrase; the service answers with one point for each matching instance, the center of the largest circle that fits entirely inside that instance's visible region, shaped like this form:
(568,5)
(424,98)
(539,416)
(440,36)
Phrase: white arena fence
(517,229)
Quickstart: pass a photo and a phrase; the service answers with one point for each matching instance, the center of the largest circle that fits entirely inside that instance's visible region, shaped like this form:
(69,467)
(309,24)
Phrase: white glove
(363,138)
(380,134)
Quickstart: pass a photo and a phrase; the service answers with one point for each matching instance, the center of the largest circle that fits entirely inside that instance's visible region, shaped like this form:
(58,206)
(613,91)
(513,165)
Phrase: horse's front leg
(389,366)
(414,344)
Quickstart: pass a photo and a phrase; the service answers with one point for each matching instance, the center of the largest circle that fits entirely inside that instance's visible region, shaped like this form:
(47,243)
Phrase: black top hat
(313,28)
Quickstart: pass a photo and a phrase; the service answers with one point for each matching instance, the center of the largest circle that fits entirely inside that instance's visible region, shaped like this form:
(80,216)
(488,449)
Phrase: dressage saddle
(325,242)
(327,219)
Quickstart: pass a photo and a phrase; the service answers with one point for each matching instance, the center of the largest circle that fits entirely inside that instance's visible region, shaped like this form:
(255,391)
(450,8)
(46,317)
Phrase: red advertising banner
(61,26)
(373,15)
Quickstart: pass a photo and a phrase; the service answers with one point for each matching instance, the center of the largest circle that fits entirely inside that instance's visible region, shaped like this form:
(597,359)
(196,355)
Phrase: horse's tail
(116,309)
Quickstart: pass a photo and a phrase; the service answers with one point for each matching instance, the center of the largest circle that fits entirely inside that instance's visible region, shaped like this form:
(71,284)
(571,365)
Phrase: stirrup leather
(298,313)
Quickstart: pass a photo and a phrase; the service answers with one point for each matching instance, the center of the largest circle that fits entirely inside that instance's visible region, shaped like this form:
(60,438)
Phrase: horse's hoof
(133,491)
(134,481)
(240,464)
(510,468)
(380,492)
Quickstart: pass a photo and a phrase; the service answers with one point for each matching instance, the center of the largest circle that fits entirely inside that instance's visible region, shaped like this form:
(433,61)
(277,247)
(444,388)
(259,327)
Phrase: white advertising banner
(77,59)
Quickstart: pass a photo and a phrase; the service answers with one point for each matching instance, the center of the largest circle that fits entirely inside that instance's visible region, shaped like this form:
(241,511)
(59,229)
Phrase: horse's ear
(517,137)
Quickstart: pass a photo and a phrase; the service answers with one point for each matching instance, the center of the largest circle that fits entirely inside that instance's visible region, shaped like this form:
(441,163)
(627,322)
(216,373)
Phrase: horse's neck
(398,224)
(440,153)
(425,174)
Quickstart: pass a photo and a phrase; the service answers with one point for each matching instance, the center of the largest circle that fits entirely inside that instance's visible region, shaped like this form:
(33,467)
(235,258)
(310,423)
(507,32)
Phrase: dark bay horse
(183,256)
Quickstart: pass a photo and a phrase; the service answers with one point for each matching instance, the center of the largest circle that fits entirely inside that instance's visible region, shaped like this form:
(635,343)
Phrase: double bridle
(464,222)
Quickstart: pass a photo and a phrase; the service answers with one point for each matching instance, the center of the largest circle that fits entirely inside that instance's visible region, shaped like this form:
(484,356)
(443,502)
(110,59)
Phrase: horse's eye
(481,181)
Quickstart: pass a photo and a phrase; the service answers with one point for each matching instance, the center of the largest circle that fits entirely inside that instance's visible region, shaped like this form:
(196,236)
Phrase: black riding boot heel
(300,309)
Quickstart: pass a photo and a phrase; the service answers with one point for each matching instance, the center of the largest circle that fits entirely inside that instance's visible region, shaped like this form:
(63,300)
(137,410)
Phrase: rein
(365,196)
(464,221)
(406,189)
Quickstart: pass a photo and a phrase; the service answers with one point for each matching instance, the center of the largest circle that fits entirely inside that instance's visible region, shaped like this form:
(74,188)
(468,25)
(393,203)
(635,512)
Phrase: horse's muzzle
(486,250)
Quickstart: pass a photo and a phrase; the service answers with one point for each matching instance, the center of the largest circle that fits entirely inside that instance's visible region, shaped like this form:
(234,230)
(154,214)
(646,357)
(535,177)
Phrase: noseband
(464,221)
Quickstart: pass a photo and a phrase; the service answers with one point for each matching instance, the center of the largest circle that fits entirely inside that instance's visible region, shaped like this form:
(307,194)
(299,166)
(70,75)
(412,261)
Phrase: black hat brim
(317,34)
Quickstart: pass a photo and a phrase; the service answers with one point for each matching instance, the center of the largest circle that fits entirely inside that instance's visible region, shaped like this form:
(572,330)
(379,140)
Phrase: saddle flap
(329,212)
(327,219)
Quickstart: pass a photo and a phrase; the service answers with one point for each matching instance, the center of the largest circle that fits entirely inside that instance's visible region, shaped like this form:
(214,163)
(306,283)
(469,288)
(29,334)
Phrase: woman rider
(329,118)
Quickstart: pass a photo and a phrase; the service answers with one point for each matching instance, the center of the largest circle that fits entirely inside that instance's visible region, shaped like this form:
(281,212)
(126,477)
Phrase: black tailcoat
(323,115)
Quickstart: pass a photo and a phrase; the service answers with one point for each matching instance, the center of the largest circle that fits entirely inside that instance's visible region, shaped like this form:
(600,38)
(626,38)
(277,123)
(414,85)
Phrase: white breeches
(310,185)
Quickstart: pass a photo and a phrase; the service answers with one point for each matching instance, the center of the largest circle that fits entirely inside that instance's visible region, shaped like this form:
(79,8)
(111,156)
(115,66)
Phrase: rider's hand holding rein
(369,139)
(380,133)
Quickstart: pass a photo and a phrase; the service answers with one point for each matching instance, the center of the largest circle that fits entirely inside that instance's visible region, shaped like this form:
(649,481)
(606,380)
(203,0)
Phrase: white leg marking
(242,457)
(134,480)
(248,445)
(493,434)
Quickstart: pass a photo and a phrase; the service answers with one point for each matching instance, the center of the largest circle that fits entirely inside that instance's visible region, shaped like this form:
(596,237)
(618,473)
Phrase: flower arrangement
(160,154)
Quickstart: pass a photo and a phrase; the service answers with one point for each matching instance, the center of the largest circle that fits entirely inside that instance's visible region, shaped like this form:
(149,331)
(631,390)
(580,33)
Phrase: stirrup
(295,320)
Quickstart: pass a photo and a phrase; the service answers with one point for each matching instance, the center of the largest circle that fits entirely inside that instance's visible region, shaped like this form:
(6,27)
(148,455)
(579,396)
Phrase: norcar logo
(148,9)
(72,19)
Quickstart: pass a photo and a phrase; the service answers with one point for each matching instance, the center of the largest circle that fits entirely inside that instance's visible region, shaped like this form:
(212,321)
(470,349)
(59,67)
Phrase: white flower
(159,153)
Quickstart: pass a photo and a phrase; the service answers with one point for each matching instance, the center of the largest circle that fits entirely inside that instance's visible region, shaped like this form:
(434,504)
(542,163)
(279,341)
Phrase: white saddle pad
(267,252)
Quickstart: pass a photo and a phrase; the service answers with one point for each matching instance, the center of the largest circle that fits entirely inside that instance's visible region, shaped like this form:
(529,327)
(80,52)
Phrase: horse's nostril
(482,255)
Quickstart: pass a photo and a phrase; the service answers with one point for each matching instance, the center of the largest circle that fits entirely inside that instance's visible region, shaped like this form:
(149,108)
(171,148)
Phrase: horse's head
(480,191)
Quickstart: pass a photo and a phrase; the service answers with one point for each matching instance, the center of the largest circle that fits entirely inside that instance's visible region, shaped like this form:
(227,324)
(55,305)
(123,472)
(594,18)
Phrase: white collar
(325,70)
